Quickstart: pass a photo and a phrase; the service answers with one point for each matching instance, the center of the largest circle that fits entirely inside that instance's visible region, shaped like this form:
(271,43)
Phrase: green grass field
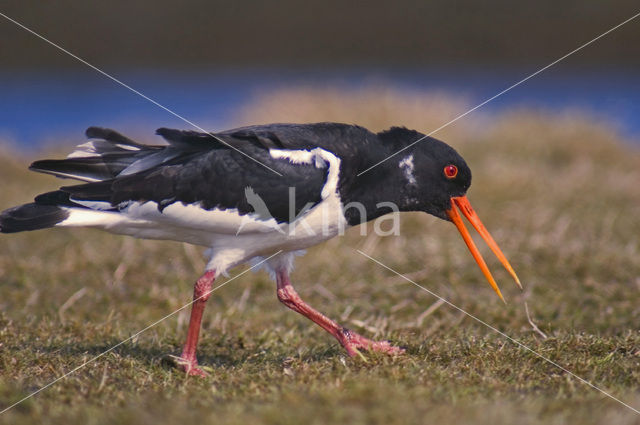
(559,192)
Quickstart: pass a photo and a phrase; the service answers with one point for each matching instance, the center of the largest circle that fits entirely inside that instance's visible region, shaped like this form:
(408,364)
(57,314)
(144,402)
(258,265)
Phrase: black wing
(193,168)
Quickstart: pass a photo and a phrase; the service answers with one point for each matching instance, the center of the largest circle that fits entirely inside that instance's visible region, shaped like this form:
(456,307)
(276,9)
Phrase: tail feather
(91,169)
(110,136)
(104,157)
(31,216)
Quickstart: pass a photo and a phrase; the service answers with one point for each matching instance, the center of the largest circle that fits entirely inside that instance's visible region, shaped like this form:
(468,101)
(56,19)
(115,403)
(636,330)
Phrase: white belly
(232,238)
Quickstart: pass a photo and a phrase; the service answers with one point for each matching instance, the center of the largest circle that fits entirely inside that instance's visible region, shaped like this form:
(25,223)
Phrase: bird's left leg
(350,340)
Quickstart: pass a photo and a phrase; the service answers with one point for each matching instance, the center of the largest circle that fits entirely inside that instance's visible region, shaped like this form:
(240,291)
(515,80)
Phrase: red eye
(451,171)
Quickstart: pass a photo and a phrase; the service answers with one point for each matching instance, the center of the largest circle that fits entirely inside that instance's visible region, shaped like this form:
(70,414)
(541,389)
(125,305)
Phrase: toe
(196,371)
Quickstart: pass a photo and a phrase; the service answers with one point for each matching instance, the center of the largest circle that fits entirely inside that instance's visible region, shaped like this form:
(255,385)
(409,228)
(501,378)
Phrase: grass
(559,193)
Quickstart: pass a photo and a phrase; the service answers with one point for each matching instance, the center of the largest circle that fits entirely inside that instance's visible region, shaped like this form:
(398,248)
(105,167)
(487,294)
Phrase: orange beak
(465,207)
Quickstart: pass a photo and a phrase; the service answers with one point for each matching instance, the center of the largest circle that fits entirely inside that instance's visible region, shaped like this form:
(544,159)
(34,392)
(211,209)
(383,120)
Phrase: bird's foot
(190,366)
(353,342)
(194,370)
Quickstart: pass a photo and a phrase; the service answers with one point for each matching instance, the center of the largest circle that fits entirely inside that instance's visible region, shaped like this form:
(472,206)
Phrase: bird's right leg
(201,293)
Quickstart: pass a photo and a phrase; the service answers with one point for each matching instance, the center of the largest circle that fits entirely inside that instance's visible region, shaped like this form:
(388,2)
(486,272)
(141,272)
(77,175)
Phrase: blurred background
(208,60)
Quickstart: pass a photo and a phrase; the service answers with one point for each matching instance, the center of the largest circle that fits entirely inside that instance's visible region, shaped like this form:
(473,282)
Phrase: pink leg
(201,293)
(350,340)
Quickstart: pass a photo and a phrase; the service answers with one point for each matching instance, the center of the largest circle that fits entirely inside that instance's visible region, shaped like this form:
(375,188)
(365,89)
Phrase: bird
(261,193)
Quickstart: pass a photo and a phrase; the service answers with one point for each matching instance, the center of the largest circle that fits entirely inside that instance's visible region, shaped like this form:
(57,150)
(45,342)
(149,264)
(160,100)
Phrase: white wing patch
(95,148)
(94,205)
(320,158)
(406,164)
(85,150)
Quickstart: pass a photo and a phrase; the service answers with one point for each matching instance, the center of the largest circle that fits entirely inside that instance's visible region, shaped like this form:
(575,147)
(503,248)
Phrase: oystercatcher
(250,192)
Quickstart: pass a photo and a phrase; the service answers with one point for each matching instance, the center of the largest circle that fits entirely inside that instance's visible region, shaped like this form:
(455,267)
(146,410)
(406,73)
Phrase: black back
(214,170)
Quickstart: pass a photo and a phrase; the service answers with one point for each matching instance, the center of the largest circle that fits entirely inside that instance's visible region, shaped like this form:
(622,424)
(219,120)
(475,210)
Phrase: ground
(559,192)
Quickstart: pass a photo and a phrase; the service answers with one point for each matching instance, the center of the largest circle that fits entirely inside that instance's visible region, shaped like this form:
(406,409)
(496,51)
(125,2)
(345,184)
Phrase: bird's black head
(430,173)
(430,176)
(439,174)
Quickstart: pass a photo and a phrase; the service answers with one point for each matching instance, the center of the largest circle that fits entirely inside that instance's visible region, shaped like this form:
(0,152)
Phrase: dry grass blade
(533,325)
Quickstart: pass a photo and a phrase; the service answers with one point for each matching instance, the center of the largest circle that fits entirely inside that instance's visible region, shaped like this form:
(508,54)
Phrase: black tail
(31,217)
(107,156)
